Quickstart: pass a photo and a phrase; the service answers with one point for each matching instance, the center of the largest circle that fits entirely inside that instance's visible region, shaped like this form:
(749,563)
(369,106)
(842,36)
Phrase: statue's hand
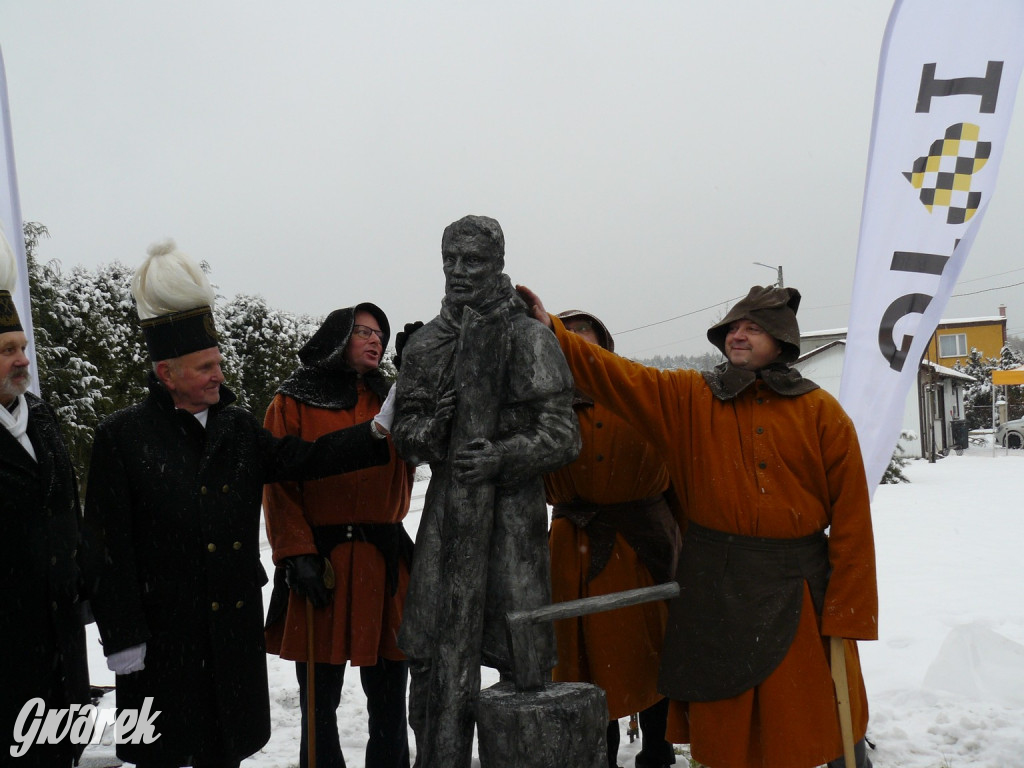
(476,462)
(444,409)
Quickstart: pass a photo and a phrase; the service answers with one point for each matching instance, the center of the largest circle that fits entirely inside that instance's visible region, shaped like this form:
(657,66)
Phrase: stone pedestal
(560,725)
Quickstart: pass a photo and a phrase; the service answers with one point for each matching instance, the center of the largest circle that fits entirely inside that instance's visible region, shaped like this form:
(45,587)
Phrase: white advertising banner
(947,80)
(10,220)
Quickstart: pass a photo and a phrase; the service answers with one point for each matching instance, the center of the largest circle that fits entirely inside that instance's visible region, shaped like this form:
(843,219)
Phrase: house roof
(822,348)
(954,321)
(941,370)
(949,373)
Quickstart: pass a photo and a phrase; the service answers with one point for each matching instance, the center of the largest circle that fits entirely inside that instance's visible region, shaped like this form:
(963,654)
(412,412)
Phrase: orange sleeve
(287,528)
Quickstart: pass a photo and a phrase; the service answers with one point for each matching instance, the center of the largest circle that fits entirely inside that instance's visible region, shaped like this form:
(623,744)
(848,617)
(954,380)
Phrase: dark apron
(738,610)
(647,526)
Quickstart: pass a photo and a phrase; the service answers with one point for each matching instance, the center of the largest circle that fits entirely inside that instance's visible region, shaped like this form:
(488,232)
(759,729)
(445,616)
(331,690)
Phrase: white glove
(127,661)
(387,411)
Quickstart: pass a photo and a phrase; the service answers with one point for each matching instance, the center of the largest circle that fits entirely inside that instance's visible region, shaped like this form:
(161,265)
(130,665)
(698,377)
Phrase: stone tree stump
(560,725)
(532,723)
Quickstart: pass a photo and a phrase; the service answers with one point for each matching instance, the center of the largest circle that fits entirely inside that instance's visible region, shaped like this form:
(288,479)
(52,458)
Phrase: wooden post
(310,688)
(525,669)
(838,658)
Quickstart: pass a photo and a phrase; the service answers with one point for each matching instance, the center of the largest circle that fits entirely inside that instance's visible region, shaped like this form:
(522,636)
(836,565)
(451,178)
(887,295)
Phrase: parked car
(1011,434)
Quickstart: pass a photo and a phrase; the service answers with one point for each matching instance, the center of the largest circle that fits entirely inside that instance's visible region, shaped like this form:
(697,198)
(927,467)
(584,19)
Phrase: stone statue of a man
(485,396)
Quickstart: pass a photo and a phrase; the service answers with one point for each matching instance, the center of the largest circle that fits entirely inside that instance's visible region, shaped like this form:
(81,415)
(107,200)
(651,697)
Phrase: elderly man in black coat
(175,487)
(44,662)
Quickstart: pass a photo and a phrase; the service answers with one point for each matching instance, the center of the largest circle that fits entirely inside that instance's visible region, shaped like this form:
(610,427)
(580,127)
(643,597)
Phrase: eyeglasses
(364,332)
(580,327)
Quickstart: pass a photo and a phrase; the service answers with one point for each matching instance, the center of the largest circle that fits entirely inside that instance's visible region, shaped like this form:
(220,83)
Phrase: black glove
(304,574)
(402,337)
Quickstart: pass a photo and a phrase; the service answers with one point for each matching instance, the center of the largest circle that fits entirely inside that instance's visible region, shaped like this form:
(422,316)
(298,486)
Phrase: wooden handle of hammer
(838,653)
(310,688)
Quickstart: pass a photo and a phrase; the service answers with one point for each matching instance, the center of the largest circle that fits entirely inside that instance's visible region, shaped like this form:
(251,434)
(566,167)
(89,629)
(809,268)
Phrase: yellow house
(953,340)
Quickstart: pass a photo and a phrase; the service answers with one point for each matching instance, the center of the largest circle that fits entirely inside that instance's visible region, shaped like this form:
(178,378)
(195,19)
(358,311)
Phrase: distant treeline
(703,362)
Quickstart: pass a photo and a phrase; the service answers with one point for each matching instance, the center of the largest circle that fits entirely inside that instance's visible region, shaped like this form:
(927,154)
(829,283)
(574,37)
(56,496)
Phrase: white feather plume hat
(175,302)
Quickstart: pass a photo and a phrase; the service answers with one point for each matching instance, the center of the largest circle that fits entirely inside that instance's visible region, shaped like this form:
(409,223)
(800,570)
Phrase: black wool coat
(177,509)
(42,641)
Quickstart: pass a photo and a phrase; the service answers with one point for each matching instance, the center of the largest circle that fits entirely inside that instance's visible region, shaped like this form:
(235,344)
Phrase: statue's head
(473,255)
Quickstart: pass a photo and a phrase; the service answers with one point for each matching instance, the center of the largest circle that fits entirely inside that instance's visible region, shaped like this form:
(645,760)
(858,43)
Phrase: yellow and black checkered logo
(944,174)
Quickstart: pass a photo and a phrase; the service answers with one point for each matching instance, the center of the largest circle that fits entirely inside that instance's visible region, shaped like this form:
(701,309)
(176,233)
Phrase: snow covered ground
(946,677)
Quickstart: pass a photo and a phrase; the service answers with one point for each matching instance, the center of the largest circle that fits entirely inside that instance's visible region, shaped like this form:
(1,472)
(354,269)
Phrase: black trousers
(654,751)
(384,685)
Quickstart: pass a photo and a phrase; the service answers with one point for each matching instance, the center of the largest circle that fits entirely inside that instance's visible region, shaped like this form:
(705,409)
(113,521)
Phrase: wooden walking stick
(311,671)
(838,653)
(310,688)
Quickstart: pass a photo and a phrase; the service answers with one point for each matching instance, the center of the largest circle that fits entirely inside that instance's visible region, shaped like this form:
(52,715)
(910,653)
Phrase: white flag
(946,85)
(10,220)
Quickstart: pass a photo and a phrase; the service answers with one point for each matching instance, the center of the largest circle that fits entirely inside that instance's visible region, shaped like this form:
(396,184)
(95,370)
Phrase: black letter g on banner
(903,306)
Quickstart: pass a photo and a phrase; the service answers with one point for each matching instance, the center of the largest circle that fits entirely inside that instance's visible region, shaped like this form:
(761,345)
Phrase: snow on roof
(942,323)
(822,348)
(969,320)
(831,332)
(950,373)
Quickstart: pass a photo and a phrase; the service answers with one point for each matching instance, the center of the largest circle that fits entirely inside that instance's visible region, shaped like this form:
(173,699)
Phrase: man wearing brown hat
(612,530)
(44,657)
(778,553)
(174,493)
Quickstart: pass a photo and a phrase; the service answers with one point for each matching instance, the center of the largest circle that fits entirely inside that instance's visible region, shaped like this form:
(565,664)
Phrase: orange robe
(759,465)
(615,650)
(361,624)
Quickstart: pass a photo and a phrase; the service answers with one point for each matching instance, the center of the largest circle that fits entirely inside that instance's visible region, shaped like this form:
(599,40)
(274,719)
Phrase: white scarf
(17,424)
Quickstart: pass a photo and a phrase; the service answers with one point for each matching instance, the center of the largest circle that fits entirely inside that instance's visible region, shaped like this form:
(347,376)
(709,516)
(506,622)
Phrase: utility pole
(777,269)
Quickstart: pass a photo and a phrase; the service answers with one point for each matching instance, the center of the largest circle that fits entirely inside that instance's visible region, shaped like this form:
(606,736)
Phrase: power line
(826,306)
(986,277)
(986,290)
(677,317)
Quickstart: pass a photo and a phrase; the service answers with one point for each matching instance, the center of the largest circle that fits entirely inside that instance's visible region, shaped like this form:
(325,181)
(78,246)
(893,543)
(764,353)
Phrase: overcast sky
(640,156)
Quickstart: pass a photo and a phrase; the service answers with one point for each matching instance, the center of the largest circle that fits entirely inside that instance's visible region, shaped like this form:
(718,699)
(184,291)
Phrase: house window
(953,345)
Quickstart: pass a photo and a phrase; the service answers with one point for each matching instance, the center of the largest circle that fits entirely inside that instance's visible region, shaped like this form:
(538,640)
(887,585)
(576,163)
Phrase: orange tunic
(759,465)
(361,625)
(616,650)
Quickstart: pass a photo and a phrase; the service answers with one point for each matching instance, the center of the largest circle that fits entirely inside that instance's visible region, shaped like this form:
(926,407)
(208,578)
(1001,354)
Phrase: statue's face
(470,271)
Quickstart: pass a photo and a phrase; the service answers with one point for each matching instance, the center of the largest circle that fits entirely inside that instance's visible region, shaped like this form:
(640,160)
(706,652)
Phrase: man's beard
(15,383)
